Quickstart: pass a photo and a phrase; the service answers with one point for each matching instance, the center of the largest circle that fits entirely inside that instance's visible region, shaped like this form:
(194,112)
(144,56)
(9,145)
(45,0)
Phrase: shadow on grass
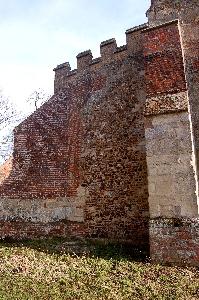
(78,247)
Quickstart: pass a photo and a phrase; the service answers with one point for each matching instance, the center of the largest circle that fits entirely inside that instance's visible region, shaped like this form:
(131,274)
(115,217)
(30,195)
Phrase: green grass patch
(42,269)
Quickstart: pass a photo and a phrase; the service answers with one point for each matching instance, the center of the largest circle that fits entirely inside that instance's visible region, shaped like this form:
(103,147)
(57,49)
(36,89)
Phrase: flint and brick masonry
(114,154)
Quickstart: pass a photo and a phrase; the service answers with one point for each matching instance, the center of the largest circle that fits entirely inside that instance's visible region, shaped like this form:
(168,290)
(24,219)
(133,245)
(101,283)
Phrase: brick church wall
(81,157)
(112,153)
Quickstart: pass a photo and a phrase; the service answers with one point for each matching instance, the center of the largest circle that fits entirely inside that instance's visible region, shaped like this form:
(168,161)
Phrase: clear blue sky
(36,35)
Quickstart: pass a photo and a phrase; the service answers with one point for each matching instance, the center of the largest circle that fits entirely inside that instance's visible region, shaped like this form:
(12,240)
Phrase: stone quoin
(114,154)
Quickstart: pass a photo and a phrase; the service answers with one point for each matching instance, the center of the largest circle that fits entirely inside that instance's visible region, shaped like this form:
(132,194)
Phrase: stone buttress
(171,130)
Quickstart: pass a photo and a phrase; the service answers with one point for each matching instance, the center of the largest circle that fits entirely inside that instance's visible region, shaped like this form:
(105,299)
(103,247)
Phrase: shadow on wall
(77,246)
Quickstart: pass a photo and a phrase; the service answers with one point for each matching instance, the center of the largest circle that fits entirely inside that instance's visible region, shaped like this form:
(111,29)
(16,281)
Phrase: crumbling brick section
(18,229)
(175,241)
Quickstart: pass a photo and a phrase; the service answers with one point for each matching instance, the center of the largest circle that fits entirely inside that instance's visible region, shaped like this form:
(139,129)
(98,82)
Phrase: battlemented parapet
(81,157)
(113,154)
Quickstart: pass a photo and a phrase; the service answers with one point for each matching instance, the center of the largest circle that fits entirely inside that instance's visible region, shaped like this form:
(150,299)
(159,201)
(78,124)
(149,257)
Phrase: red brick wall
(91,135)
(18,229)
(115,163)
(164,63)
(46,155)
(174,241)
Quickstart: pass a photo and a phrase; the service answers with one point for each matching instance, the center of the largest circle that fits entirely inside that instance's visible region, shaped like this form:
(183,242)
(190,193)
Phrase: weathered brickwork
(186,12)
(18,229)
(46,156)
(83,143)
(164,63)
(115,146)
(173,140)
(112,156)
(175,241)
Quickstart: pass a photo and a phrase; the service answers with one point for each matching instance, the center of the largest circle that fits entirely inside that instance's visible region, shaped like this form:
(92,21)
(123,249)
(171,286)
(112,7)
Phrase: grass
(41,269)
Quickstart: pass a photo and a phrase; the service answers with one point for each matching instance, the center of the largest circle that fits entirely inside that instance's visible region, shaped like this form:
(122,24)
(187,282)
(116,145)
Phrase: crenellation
(61,71)
(72,72)
(84,59)
(137,28)
(163,24)
(121,48)
(65,66)
(134,39)
(84,54)
(107,49)
(96,60)
(108,42)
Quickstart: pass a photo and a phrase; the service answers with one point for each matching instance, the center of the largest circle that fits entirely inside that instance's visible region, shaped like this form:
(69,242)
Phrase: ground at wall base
(41,269)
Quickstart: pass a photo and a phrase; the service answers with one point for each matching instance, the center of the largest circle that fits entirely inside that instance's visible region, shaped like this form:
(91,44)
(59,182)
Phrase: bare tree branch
(37,98)
(11,117)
